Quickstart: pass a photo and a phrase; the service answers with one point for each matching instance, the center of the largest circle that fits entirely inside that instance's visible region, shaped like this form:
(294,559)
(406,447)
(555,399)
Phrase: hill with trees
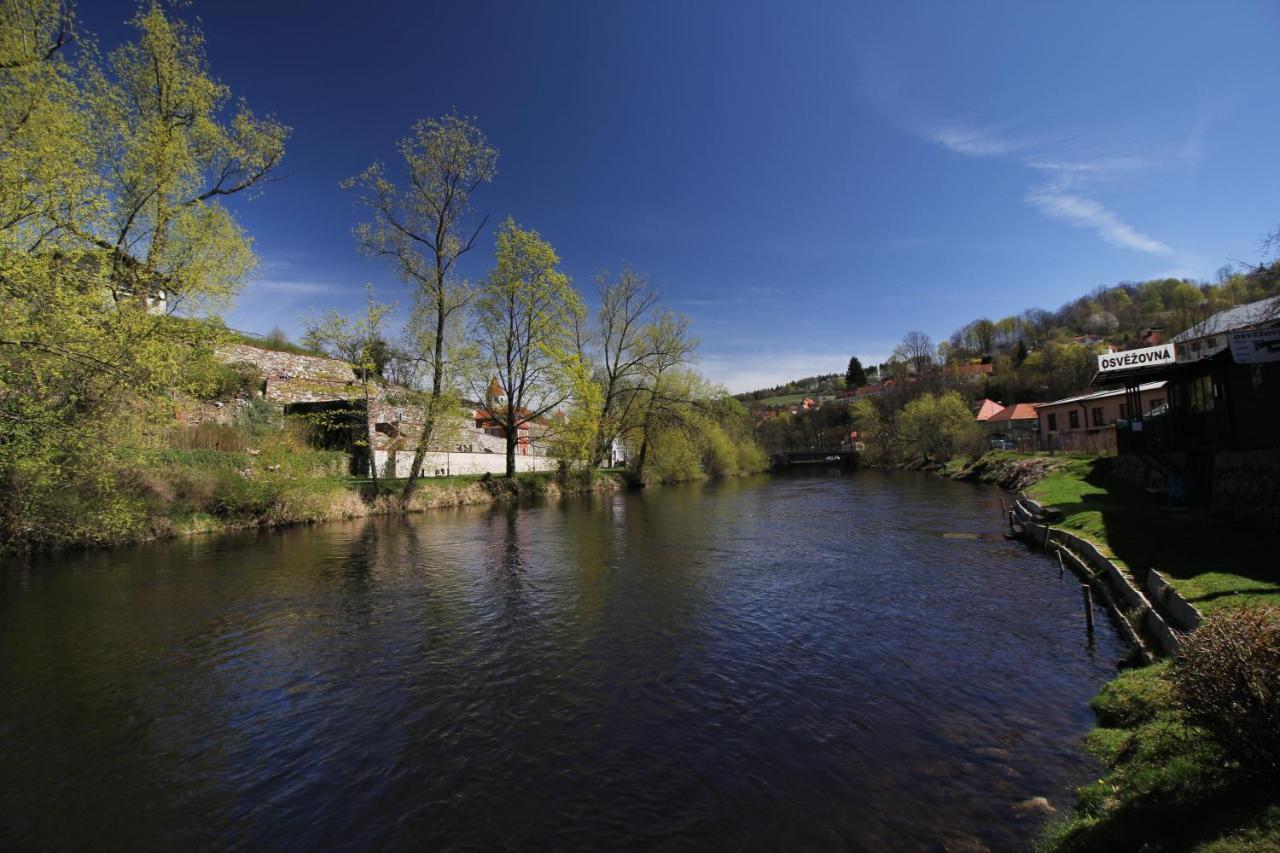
(1034,356)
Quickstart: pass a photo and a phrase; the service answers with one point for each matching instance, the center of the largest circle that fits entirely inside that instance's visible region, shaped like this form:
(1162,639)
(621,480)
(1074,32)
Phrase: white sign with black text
(1146,357)
(1256,347)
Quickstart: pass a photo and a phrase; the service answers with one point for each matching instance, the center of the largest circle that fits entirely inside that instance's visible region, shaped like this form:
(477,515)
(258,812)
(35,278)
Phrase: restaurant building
(1217,438)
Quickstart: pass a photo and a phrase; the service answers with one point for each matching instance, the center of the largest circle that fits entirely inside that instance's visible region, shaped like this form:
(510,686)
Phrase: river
(824,661)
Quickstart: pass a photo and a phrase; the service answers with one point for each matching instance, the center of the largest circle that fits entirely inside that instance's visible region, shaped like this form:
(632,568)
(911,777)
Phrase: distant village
(1209,389)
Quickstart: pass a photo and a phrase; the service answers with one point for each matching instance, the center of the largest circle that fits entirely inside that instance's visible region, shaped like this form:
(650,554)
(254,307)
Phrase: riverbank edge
(328,499)
(317,499)
(1152,756)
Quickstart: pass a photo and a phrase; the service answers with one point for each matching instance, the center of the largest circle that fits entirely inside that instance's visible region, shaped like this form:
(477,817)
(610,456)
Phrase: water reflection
(803,663)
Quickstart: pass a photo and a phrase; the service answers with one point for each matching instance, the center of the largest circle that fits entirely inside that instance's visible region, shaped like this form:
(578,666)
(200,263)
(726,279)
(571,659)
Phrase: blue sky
(806,180)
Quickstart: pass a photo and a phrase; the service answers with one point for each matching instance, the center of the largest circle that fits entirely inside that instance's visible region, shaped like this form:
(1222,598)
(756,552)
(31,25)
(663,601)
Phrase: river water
(812,662)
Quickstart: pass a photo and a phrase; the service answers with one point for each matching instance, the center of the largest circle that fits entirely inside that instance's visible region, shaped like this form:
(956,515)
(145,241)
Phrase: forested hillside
(1040,354)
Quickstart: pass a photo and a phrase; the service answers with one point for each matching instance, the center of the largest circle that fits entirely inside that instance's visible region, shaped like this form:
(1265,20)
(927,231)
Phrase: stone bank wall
(1247,482)
(439,464)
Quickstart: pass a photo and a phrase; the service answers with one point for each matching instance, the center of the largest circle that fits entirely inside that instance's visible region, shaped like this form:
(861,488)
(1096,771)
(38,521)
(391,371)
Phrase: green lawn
(784,400)
(1169,786)
(1212,561)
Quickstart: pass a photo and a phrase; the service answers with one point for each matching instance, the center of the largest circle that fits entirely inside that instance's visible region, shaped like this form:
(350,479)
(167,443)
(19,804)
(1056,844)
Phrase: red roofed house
(970,372)
(496,399)
(1018,423)
(987,409)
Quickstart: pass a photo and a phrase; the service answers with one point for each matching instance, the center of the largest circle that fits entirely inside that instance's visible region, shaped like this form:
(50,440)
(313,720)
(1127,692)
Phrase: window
(1053,423)
(1124,411)
(1074,417)
(1200,394)
(1156,403)
(1097,416)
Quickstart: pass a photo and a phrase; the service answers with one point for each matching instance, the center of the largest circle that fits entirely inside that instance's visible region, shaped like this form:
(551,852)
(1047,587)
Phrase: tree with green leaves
(420,227)
(855,376)
(357,340)
(112,181)
(525,315)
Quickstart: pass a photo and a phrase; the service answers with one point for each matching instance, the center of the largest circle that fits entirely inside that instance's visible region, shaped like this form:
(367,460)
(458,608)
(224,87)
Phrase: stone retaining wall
(1247,482)
(280,365)
(1163,613)
(437,463)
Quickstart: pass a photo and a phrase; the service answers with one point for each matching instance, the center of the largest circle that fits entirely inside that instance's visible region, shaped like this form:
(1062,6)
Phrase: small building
(1087,422)
(986,409)
(972,373)
(1017,423)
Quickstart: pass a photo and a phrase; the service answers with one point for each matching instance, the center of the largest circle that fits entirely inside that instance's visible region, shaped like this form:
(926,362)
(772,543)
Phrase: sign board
(1256,347)
(1146,357)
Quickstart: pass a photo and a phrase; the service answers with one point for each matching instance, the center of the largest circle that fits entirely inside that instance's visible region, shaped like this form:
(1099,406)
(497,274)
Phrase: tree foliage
(855,376)
(420,226)
(525,313)
(113,174)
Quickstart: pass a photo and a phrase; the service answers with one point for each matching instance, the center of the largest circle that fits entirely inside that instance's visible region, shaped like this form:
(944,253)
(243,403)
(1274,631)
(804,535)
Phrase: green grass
(1213,562)
(783,400)
(1168,786)
(272,346)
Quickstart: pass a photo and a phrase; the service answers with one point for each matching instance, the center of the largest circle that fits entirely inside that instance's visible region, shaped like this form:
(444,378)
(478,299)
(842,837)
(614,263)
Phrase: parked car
(1001,444)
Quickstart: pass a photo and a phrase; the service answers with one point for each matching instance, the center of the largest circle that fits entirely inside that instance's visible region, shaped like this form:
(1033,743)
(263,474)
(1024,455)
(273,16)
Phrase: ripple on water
(820,662)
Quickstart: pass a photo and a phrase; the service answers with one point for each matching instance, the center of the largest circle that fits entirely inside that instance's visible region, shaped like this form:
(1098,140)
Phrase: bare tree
(629,340)
(916,350)
(419,228)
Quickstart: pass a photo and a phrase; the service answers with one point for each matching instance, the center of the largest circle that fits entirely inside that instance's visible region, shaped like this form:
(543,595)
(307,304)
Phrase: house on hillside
(972,373)
(1152,336)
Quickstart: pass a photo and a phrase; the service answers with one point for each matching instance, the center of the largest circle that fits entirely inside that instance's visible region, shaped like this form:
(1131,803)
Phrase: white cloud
(975,142)
(1072,163)
(1083,212)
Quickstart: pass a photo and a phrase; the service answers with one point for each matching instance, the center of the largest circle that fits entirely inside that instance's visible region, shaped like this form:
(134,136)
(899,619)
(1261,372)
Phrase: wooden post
(1088,607)
(1003,508)
(1062,567)
(1047,531)
(1010,521)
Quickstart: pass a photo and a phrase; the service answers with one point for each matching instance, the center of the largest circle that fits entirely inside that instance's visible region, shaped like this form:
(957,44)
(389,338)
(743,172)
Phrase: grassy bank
(1213,561)
(1170,785)
(170,493)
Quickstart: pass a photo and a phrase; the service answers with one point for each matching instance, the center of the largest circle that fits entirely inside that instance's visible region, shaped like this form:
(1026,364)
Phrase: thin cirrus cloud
(1083,212)
(1069,176)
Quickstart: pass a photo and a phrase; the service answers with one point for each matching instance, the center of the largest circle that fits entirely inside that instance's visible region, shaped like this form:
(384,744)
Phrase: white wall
(438,463)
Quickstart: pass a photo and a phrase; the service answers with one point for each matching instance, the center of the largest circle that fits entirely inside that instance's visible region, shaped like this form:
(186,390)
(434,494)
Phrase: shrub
(719,456)
(207,436)
(257,417)
(240,379)
(1227,678)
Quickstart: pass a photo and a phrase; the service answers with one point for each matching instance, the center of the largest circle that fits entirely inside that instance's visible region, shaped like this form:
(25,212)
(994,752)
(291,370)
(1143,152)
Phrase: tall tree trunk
(644,440)
(511,451)
(604,441)
(371,432)
(437,377)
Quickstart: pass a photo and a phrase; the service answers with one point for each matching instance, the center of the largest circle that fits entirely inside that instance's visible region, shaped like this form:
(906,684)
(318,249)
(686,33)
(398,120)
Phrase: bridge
(842,458)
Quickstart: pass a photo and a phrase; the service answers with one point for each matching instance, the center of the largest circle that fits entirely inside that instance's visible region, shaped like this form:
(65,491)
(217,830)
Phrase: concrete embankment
(1147,610)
